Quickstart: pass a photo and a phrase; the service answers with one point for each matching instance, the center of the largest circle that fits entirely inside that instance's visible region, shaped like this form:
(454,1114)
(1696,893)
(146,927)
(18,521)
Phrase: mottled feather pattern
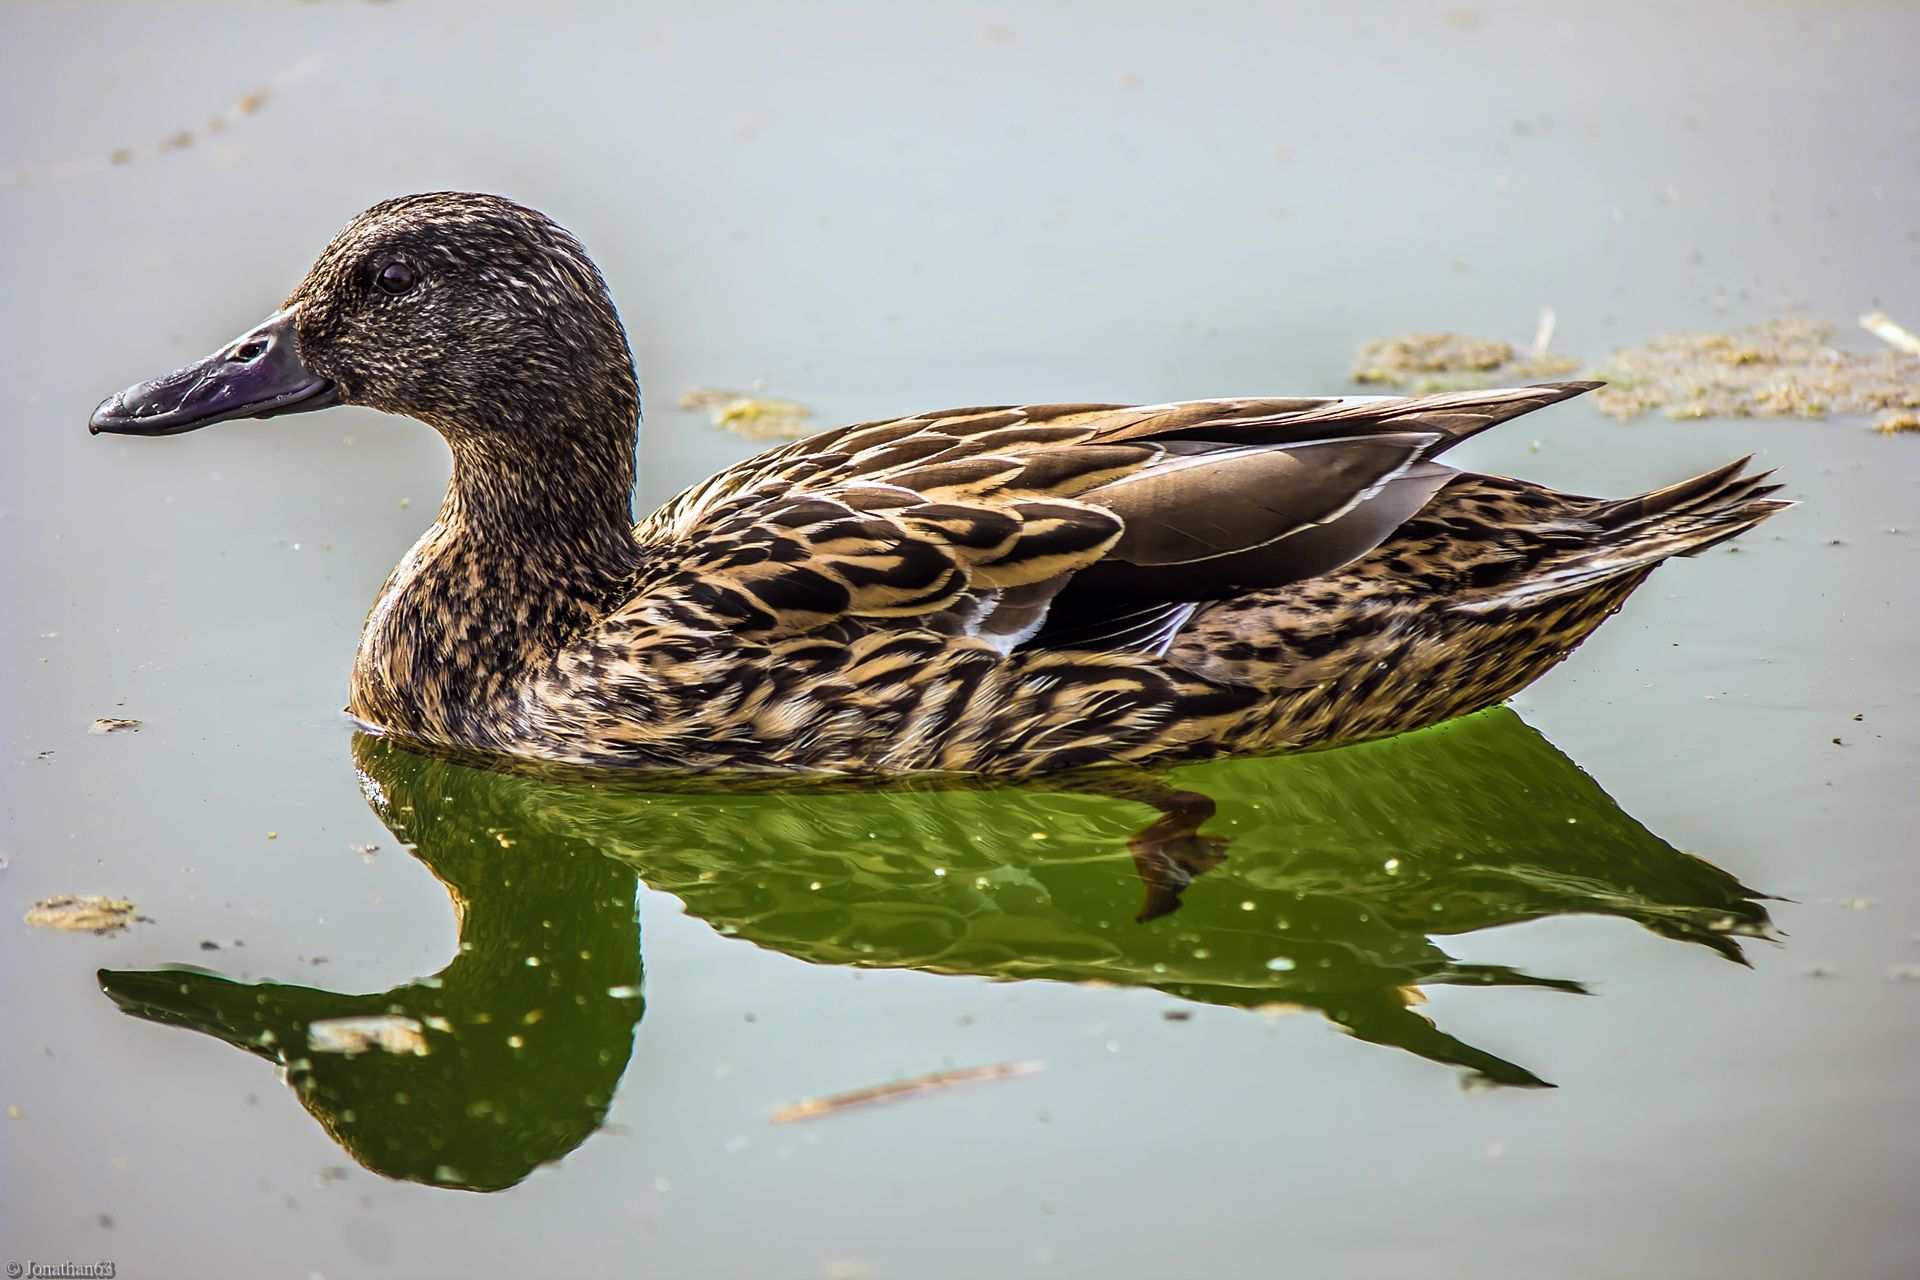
(827,606)
(1006,588)
(901,680)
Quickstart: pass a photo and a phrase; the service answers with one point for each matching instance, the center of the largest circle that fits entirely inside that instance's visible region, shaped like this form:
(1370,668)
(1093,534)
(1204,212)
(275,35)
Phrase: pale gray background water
(891,207)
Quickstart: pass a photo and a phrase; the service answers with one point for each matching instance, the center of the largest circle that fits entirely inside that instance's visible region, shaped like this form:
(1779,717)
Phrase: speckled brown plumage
(1008,589)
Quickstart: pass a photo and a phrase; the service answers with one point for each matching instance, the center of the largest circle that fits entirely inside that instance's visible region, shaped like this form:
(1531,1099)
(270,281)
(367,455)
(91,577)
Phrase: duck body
(1013,589)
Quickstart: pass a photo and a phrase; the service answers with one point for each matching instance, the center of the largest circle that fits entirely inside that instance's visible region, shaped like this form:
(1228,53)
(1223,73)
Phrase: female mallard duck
(1007,589)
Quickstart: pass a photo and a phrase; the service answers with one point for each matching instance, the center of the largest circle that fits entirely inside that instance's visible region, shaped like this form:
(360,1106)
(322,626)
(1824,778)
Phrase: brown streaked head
(470,312)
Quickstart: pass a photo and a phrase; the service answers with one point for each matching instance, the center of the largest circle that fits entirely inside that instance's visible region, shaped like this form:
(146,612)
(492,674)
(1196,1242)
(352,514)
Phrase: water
(889,208)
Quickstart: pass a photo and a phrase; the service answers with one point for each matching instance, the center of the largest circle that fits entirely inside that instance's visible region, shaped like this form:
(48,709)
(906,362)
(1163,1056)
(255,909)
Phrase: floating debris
(1424,362)
(753,416)
(239,109)
(1277,1009)
(113,724)
(1783,368)
(811,1108)
(83,913)
(389,1033)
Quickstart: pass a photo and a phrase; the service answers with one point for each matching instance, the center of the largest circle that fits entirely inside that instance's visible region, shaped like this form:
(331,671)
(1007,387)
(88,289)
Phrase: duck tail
(1625,540)
(1687,518)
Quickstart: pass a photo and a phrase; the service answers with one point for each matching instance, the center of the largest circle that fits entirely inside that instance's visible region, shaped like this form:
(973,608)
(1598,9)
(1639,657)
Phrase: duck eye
(395,278)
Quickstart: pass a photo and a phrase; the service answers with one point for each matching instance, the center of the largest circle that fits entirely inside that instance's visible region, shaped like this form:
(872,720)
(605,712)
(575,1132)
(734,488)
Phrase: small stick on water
(242,107)
(1882,326)
(811,1108)
(1543,334)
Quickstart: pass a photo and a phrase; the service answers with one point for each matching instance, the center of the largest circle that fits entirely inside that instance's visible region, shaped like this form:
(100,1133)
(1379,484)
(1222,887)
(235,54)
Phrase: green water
(1676,881)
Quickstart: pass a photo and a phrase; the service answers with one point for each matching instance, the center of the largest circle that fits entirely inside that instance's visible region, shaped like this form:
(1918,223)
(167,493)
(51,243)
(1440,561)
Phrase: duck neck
(564,508)
(534,544)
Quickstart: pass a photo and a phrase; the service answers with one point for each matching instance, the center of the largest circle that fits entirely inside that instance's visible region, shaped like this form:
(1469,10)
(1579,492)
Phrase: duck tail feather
(1695,514)
(1634,535)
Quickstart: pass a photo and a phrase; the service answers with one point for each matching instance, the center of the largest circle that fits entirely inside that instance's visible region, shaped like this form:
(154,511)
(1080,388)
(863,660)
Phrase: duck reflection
(1320,883)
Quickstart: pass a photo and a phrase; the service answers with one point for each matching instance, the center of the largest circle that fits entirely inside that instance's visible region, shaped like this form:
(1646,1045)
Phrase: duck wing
(1099,525)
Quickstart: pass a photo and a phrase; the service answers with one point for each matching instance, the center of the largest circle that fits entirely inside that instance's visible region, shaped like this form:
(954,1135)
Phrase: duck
(1007,589)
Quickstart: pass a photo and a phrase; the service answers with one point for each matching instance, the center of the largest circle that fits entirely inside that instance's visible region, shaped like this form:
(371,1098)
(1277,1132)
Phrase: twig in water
(240,108)
(1882,326)
(811,1108)
(1542,334)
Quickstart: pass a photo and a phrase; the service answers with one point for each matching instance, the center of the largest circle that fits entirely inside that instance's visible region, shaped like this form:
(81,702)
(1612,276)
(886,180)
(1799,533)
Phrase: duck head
(474,314)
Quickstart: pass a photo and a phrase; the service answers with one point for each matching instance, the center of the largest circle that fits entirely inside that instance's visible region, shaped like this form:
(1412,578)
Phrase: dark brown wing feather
(1195,505)
(974,521)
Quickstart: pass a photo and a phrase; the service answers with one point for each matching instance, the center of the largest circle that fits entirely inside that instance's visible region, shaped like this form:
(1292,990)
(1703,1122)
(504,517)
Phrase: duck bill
(257,375)
(195,998)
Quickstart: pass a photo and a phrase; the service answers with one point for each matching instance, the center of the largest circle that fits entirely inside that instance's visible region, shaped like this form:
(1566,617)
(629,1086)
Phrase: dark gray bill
(256,375)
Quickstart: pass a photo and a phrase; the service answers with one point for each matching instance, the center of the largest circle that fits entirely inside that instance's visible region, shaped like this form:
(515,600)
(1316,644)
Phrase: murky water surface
(601,993)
